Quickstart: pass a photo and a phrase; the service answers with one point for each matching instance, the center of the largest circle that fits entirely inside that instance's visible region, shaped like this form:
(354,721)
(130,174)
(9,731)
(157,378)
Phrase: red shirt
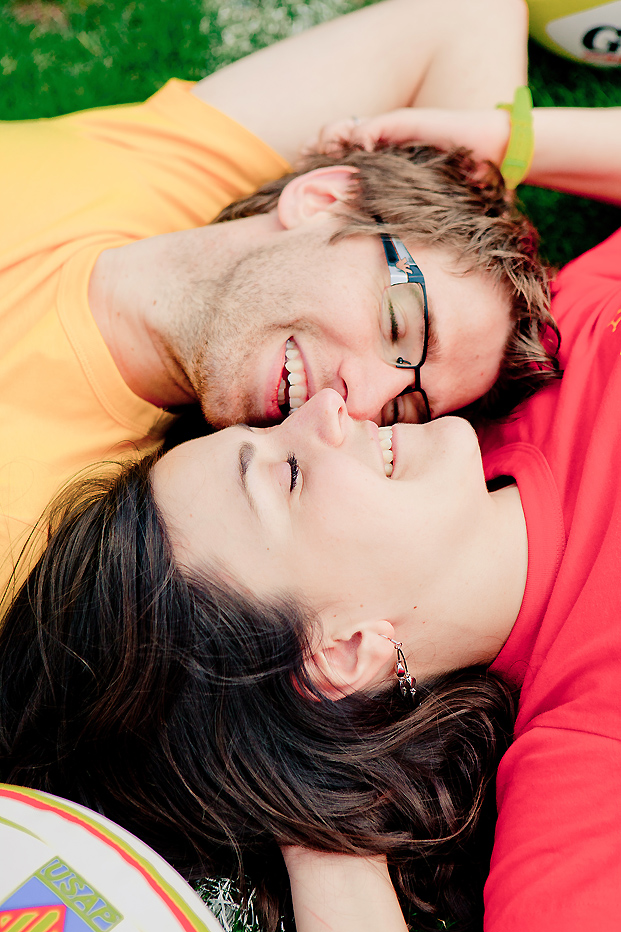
(557,856)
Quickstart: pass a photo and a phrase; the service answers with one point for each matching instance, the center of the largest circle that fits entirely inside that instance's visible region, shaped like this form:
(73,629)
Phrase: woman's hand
(342,893)
(486,132)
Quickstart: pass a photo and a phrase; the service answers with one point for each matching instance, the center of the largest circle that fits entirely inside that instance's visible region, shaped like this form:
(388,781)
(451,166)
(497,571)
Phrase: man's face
(314,307)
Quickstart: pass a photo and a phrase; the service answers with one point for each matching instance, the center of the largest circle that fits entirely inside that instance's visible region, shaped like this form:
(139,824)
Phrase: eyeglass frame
(403,270)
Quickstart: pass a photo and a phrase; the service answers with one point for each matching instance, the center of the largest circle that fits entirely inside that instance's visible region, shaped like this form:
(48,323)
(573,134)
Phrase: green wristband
(521,145)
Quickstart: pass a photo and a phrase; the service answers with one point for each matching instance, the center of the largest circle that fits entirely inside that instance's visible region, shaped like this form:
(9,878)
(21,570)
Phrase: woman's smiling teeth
(293,392)
(385,438)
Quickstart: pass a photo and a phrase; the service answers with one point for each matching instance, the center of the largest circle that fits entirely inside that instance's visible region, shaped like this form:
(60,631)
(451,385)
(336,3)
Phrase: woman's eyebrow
(246,453)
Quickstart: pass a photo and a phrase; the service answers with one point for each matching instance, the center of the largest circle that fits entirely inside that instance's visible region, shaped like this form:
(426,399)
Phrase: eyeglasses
(405,322)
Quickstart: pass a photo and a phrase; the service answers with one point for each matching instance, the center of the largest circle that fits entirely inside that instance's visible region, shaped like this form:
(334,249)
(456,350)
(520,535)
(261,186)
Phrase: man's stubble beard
(218,327)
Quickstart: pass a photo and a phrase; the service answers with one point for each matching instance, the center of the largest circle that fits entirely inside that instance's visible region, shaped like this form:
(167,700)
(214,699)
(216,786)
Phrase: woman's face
(305,508)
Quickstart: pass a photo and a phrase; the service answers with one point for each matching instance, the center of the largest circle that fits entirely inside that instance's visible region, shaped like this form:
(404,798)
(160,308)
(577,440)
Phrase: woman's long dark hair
(180,709)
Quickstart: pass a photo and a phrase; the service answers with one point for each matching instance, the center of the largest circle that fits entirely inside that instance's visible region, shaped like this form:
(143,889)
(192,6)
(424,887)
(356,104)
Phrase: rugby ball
(583,31)
(64,868)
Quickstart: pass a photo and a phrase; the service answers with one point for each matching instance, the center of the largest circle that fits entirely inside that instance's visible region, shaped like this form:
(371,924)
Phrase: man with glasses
(315,293)
(119,307)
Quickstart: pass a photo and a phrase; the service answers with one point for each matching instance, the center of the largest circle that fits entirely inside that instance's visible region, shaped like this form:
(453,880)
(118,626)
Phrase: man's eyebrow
(246,453)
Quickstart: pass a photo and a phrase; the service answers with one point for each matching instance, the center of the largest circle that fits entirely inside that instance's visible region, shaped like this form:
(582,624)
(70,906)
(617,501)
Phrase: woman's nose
(324,415)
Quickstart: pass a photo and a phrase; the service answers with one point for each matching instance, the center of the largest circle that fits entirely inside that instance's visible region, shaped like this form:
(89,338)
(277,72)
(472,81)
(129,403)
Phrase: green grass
(222,898)
(101,52)
(76,54)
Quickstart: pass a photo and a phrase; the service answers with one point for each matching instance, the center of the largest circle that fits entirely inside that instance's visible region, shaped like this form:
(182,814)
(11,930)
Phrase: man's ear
(355,658)
(310,195)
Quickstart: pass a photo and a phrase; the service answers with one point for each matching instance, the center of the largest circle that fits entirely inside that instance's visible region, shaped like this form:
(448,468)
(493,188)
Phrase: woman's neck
(468,615)
(511,561)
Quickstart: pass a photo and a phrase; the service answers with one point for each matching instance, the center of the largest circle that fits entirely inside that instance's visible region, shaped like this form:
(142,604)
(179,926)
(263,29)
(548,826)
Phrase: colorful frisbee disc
(64,868)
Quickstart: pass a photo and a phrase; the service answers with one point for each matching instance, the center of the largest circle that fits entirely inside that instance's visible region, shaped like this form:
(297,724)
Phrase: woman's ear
(314,194)
(353,660)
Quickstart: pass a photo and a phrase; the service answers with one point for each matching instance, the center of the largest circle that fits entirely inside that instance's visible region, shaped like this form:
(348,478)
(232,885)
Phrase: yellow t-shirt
(70,187)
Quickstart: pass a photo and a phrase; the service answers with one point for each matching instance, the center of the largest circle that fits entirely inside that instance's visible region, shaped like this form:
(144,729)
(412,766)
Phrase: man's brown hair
(446,199)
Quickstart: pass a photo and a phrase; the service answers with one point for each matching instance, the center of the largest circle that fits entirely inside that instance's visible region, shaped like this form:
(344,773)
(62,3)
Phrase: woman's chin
(446,444)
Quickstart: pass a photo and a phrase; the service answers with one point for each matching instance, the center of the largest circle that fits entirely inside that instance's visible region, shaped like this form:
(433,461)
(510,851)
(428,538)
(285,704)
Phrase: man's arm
(576,149)
(399,53)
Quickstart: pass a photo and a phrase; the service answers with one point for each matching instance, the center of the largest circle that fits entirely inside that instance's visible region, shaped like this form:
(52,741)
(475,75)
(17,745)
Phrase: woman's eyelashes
(295,469)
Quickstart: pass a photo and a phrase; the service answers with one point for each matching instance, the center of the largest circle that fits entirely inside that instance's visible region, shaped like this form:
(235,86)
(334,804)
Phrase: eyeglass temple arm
(401,265)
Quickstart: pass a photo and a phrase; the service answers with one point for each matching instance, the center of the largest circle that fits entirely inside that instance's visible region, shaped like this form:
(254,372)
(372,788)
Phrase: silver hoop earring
(407,682)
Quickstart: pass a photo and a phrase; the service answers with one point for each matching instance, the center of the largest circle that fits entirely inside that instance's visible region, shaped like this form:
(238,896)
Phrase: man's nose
(324,416)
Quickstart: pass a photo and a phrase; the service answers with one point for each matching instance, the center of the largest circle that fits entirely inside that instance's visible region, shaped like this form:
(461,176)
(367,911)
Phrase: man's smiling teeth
(296,377)
(385,437)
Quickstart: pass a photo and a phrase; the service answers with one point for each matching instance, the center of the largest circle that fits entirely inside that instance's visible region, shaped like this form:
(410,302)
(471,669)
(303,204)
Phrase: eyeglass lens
(403,307)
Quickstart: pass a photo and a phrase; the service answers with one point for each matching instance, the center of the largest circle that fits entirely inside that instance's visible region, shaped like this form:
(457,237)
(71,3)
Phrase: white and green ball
(579,29)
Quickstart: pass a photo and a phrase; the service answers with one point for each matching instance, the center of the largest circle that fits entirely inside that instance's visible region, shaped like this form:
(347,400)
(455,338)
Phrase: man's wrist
(521,144)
